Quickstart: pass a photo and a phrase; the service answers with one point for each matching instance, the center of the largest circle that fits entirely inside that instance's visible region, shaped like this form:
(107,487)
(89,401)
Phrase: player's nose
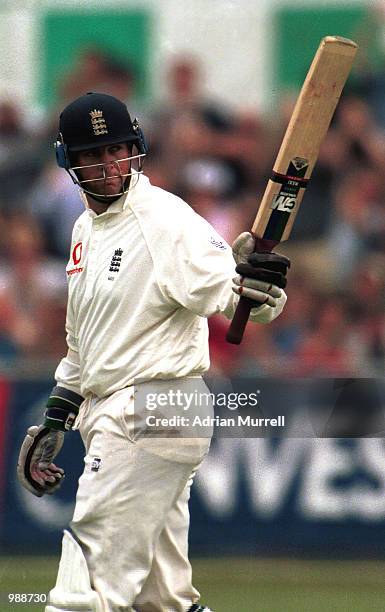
(110,163)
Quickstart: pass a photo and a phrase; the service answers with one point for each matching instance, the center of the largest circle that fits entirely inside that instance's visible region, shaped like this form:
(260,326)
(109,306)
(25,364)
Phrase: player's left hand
(261,276)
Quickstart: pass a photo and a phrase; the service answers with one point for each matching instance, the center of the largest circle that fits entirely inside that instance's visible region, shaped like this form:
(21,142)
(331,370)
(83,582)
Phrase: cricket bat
(298,154)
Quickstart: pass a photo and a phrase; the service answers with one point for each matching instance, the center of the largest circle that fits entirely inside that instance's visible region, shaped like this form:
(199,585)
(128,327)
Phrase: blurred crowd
(218,160)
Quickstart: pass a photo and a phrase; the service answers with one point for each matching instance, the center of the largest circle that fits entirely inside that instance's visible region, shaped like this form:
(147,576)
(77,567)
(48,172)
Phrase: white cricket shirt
(142,279)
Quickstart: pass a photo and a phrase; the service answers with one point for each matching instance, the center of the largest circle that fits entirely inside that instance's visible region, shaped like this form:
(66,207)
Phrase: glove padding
(258,291)
(268,267)
(261,276)
(35,469)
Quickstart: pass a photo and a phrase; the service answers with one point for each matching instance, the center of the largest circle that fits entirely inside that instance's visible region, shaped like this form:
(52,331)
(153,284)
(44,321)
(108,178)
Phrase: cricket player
(144,274)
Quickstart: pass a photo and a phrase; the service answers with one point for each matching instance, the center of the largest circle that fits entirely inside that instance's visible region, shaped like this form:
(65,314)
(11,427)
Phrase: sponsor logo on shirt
(218,243)
(74,271)
(77,253)
(76,257)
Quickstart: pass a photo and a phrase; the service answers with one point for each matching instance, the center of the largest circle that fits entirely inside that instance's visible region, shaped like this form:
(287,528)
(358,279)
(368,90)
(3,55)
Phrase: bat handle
(238,324)
(242,312)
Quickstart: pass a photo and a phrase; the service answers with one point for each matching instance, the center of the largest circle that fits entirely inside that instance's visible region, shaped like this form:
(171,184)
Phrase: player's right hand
(260,276)
(35,468)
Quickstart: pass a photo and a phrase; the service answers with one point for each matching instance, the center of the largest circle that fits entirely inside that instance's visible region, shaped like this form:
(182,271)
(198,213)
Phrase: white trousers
(131,516)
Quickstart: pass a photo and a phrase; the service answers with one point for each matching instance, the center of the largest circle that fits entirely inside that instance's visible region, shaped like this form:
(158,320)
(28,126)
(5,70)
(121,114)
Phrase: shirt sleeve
(200,277)
(67,373)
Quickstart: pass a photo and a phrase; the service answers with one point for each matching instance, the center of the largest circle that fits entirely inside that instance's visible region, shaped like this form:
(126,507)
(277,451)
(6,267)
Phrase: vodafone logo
(77,253)
(76,257)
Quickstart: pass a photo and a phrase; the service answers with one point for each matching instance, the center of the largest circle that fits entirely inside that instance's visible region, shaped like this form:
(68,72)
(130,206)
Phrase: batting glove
(35,468)
(261,276)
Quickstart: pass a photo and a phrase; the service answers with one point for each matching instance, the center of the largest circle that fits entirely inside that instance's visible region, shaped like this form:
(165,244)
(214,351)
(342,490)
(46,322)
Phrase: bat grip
(242,312)
(238,324)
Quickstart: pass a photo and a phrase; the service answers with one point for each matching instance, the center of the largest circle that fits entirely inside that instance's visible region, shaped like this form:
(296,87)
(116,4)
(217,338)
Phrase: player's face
(106,179)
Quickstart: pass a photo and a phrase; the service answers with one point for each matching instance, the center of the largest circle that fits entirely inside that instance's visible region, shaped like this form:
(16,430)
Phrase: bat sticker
(282,201)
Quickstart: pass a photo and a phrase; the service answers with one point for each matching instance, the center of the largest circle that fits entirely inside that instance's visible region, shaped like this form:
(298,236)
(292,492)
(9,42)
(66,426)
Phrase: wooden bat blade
(307,127)
(298,154)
